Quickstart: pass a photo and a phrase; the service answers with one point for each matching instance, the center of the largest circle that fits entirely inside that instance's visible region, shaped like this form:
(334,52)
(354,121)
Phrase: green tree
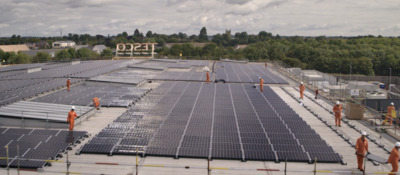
(2,56)
(187,49)
(294,62)
(20,58)
(137,34)
(125,34)
(364,66)
(107,53)
(10,57)
(84,53)
(72,52)
(149,34)
(264,36)
(63,55)
(175,50)
(209,50)
(203,35)
(41,57)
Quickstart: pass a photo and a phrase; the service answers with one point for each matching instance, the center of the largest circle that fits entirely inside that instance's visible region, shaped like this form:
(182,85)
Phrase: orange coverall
(71,119)
(208,77)
(96,102)
(337,109)
(261,84)
(394,159)
(389,117)
(302,88)
(68,84)
(361,150)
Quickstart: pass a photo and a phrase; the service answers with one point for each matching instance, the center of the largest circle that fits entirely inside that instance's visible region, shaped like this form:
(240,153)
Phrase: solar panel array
(109,95)
(215,121)
(181,70)
(56,113)
(192,74)
(84,69)
(161,64)
(20,67)
(15,90)
(130,131)
(35,144)
(17,84)
(126,76)
(245,73)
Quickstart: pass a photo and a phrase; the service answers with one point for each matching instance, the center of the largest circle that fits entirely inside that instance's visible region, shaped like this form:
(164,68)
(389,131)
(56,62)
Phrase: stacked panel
(110,96)
(35,144)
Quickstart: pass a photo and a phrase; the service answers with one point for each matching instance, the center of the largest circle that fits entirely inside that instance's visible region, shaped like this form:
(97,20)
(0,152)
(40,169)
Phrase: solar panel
(35,144)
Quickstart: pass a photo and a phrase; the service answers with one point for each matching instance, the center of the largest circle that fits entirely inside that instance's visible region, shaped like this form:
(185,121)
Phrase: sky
(283,17)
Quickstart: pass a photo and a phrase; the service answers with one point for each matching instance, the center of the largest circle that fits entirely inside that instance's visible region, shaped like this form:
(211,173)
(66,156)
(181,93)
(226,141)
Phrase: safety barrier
(208,168)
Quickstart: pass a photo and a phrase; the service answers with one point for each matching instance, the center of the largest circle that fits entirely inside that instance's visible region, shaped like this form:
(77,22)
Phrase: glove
(368,152)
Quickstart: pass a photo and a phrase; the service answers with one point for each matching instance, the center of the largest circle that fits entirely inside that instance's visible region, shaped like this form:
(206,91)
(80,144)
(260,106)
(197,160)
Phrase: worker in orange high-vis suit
(96,103)
(261,84)
(302,88)
(389,115)
(361,150)
(394,158)
(68,84)
(208,76)
(71,118)
(337,109)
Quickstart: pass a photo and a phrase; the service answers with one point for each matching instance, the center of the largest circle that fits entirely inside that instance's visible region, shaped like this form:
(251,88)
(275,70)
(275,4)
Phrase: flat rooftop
(182,112)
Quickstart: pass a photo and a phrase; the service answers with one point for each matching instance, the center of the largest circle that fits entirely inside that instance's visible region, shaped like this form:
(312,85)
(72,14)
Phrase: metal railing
(138,164)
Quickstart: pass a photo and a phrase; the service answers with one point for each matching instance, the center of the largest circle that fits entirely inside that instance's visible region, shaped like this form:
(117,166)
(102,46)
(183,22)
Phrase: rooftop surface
(315,113)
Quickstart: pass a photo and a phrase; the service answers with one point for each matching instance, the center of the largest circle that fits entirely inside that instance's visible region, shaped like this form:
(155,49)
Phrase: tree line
(62,55)
(368,55)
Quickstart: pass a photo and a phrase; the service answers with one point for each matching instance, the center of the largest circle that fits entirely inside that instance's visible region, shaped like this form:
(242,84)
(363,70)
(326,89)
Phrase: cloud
(240,2)
(283,17)
(276,3)
(311,27)
(88,3)
(3,25)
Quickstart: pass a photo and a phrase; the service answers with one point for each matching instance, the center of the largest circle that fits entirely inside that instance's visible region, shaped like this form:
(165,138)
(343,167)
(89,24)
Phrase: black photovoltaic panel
(246,73)
(260,155)
(245,126)
(130,131)
(97,148)
(35,144)
(293,156)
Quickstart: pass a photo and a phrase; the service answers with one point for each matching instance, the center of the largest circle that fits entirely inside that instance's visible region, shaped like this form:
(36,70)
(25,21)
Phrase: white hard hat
(337,102)
(364,133)
(301,82)
(259,77)
(397,144)
(69,78)
(392,104)
(73,107)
